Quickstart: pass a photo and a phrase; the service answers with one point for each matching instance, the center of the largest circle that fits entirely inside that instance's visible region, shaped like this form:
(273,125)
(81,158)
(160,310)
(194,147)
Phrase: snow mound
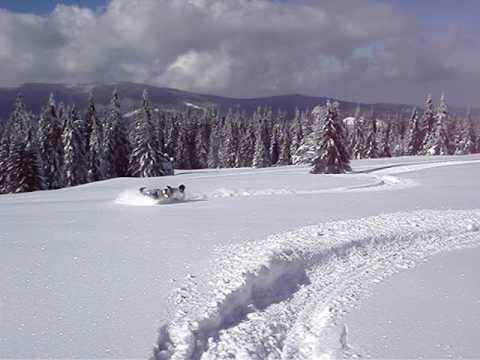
(283,297)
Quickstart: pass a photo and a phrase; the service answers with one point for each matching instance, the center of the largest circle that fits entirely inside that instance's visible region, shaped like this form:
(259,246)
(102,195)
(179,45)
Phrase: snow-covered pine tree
(415,135)
(296,131)
(215,139)
(95,160)
(371,147)
(50,145)
(89,118)
(385,148)
(285,157)
(116,146)
(332,156)
(308,149)
(228,150)
(74,155)
(275,143)
(261,157)
(439,142)
(23,166)
(202,140)
(358,138)
(4,153)
(427,125)
(247,145)
(467,139)
(186,143)
(144,159)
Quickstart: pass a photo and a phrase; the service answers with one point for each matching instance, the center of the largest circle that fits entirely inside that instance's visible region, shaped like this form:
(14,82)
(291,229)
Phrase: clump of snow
(473,227)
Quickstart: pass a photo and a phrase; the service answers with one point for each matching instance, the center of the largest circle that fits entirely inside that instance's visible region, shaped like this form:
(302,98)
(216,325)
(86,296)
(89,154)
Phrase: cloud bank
(360,50)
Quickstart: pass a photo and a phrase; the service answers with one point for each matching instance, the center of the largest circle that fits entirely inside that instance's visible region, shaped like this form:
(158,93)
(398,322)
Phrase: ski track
(383,180)
(284,297)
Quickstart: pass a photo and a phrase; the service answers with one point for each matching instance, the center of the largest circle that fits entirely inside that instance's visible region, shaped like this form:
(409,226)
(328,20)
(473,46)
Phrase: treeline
(64,147)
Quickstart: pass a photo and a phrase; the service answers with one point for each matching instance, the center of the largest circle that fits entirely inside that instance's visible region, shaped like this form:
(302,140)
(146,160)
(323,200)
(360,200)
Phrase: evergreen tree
(428,122)
(202,141)
(308,149)
(144,159)
(74,161)
(332,156)
(246,146)
(50,144)
(296,131)
(385,150)
(215,139)
(415,136)
(186,144)
(22,167)
(116,146)
(371,149)
(275,144)
(439,142)
(261,157)
(95,160)
(285,157)
(4,154)
(358,138)
(228,150)
(467,143)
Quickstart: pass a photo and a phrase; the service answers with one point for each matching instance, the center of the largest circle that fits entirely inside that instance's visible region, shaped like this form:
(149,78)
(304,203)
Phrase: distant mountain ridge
(36,96)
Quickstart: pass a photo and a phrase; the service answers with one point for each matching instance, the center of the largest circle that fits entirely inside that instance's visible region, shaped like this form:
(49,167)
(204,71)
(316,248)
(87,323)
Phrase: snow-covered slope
(257,263)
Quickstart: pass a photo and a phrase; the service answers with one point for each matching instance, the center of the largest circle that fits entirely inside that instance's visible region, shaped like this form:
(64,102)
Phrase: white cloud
(359,49)
(199,70)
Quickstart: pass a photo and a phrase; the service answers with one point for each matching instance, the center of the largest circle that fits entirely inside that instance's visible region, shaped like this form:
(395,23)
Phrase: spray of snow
(133,197)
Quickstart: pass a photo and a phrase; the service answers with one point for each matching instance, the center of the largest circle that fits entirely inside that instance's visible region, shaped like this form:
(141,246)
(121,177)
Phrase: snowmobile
(168,194)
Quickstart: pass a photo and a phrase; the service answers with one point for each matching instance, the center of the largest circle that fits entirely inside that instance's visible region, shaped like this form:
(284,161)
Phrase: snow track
(284,297)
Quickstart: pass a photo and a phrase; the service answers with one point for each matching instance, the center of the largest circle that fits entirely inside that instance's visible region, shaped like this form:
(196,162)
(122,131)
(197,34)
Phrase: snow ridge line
(255,278)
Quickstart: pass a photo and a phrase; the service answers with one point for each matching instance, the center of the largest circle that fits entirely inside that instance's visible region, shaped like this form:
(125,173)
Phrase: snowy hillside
(257,263)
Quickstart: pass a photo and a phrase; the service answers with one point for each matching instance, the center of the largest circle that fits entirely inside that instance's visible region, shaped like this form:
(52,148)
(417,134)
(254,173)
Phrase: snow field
(282,298)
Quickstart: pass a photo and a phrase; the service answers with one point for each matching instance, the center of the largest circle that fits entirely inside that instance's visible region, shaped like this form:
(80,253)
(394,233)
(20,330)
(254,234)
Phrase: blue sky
(42,7)
(429,11)
(361,50)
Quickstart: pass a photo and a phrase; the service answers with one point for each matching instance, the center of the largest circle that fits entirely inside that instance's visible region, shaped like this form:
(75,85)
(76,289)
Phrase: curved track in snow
(376,179)
(282,298)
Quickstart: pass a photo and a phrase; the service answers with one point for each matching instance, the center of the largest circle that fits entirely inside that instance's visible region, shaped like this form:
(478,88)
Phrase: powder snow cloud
(361,50)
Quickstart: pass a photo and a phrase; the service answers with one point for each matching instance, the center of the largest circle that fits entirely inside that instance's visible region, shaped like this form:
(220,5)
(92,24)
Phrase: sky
(361,50)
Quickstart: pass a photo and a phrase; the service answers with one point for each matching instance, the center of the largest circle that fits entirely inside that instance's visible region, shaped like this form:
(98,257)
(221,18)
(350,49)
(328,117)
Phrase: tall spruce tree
(428,122)
(415,135)
(247,145)
(332,156)
(439,142)
(371,147)
(74,154)
(261,157)
(144,159)
(215,140)
(95,159)
(285,156)
(467,142)
(50,144)
(228,150)
(23,167)
(116,144)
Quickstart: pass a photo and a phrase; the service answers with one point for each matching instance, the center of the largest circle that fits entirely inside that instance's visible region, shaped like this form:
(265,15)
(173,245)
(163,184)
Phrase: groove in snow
(282,298)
